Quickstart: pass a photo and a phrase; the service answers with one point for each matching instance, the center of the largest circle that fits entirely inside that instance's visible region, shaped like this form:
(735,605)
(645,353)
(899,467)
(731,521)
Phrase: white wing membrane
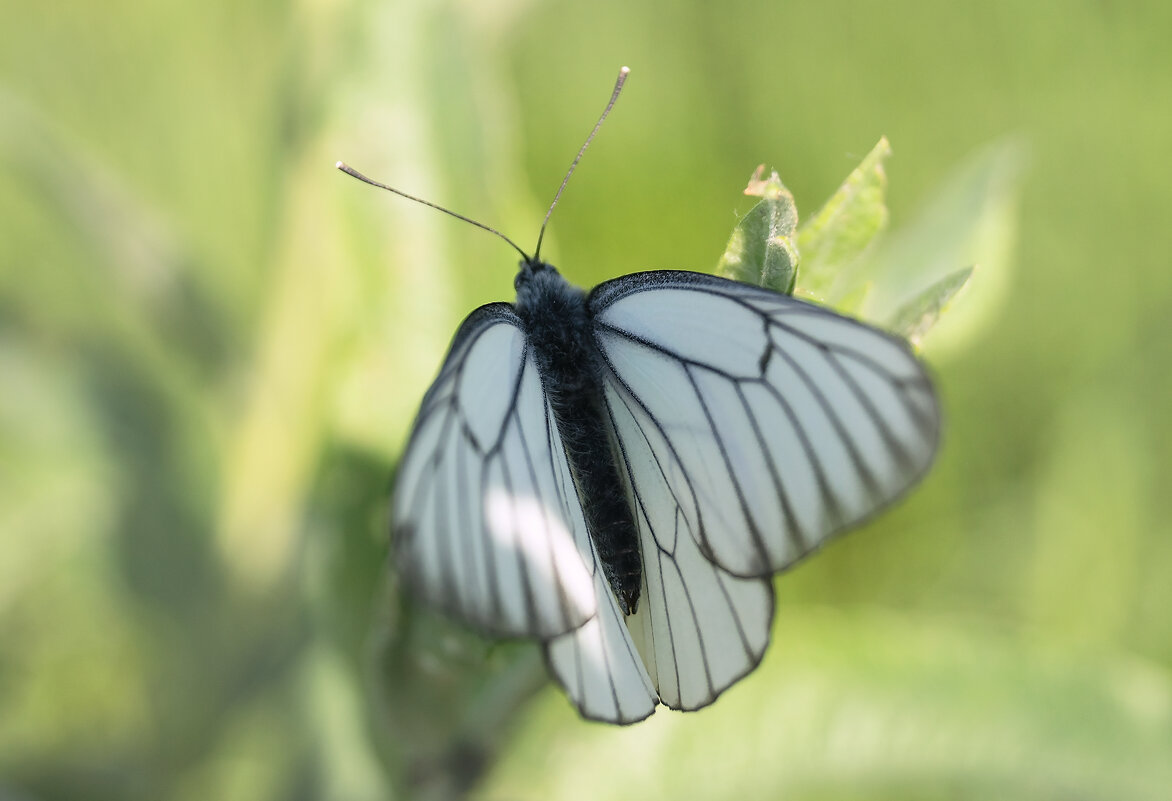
(698,627)
(486,520)
(599,665)
(780,422)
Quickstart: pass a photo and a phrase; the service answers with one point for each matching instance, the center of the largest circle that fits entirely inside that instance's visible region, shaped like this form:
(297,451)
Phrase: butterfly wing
(486,523)
(777,423)
(599,665)
(750,427)
(698,627)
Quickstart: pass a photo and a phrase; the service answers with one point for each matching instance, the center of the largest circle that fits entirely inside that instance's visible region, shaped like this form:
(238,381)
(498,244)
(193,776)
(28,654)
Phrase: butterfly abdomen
(558,328)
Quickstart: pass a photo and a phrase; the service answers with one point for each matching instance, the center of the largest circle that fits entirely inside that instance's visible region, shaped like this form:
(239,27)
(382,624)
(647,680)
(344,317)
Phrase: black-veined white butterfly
(619,473)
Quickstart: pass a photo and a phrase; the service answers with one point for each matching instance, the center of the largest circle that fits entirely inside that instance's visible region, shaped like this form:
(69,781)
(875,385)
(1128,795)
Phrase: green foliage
(969,221)
(867,704)
(761,249)
(837,236)
(766,245)
(212,345)
(919,315)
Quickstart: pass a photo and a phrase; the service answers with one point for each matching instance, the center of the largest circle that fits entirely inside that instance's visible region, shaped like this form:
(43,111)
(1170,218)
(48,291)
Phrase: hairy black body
(557,324)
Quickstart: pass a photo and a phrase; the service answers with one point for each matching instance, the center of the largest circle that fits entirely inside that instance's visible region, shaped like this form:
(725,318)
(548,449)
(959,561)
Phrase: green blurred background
(212,344)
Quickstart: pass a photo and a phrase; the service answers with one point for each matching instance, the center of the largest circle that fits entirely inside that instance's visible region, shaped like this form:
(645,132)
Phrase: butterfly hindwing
(780,422)
(600,666)
(698,627)
(487,524)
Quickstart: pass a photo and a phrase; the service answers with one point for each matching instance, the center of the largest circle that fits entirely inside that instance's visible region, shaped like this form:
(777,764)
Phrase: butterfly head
(542,291)
(534,270)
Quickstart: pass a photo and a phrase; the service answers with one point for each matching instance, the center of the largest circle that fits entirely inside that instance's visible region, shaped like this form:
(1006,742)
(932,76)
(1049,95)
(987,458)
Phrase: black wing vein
(482,529)
(814,420)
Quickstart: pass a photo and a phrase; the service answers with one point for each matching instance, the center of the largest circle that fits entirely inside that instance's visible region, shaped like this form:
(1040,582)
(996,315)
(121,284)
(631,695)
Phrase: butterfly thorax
(557,322)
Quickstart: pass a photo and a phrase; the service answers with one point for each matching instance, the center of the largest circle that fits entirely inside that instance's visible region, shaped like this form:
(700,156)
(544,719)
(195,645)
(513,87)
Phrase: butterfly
(618,473)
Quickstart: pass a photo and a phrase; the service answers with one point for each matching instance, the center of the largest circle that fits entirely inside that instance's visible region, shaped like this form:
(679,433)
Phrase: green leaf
(916,317)
(761,249)
(971,219)
(834,238)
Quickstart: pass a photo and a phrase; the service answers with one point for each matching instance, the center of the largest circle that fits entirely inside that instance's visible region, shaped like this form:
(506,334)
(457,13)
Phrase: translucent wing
(771,422)
(486,522)
(599,665)
(698,628)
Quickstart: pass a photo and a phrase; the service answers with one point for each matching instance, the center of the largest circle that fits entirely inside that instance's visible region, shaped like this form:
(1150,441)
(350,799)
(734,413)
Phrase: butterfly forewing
(781,422)
(486,522)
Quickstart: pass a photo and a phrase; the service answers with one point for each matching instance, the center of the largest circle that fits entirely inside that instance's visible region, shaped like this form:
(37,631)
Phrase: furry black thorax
(558,325)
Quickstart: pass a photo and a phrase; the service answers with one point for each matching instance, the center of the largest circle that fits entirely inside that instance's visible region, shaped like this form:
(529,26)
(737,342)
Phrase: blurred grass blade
(916,317)
(116,268)
(761,249)
(832,241)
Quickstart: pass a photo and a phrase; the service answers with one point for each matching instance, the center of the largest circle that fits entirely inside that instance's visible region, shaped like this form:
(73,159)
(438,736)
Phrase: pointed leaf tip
(761,248)
(834,238)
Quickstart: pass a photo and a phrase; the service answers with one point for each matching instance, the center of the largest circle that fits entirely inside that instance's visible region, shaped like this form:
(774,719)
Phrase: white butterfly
(618,474)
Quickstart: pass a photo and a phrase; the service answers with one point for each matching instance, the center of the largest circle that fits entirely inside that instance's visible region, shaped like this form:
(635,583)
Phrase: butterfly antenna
(346,168)
(618,87)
